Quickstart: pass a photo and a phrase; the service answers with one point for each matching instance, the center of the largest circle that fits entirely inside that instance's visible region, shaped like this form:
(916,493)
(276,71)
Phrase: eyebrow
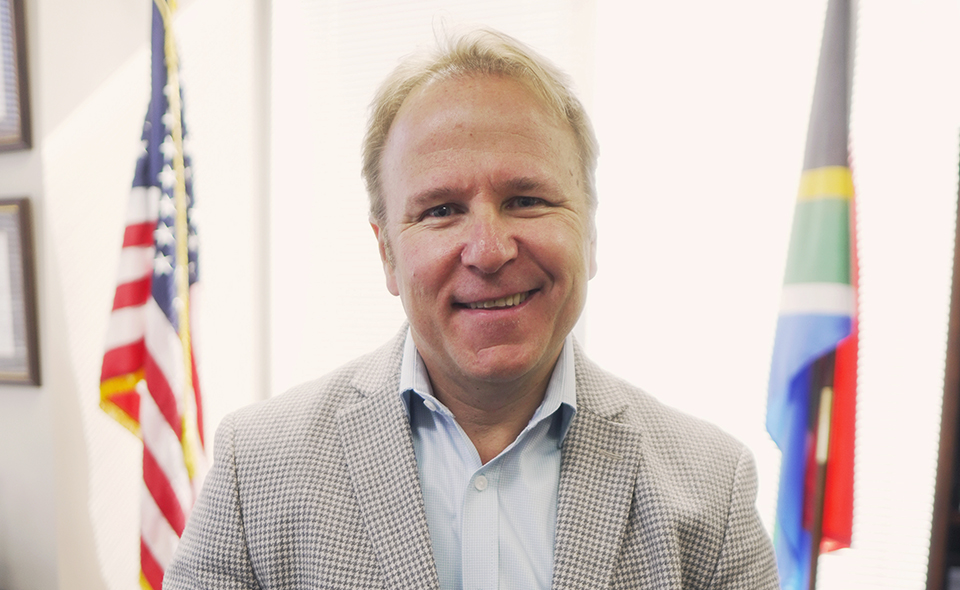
(523,184)
(434,195)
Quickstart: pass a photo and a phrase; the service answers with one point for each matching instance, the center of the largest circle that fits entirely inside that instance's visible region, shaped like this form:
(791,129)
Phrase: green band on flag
(820,242)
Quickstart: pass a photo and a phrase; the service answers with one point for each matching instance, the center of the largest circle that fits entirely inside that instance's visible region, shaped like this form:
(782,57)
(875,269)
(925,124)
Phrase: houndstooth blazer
(318,488)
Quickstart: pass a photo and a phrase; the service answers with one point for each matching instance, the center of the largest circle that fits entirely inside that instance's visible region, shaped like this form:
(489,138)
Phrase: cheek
(422,264)
(568,247)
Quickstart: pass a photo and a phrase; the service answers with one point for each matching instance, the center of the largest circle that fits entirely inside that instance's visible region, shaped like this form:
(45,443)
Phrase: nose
(489,243)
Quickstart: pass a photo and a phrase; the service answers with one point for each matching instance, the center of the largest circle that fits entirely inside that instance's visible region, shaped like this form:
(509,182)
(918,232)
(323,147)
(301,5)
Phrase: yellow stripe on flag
(828,181)
(120,416)
(120,384)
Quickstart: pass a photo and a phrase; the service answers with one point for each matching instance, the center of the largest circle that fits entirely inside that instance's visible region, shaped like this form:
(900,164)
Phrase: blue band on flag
(800,340)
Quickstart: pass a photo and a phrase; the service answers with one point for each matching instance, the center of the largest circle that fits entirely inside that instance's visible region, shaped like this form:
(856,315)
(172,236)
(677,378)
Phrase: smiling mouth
(502,303)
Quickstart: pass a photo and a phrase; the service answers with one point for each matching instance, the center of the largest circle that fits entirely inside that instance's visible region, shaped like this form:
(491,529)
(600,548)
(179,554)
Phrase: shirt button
(430,405)
(480,483)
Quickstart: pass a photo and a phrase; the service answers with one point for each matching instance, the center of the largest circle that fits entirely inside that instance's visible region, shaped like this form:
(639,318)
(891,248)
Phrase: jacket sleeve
(746,560)
(212,552)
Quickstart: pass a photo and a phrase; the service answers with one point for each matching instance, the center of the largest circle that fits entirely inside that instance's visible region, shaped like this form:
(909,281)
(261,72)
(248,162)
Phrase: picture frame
(19,350)
(14,99)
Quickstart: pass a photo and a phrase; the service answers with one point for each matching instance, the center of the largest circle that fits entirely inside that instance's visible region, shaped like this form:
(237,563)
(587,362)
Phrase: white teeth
(510,301)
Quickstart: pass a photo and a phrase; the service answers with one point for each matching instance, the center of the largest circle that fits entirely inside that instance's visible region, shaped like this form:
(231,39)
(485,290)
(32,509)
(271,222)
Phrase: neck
(492,414)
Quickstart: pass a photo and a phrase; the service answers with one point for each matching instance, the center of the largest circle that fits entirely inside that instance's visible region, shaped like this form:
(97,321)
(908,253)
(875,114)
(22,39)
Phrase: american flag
(149,377)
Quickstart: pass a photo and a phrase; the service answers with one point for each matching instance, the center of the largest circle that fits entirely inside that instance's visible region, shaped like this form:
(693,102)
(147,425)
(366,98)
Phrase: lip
(476,304)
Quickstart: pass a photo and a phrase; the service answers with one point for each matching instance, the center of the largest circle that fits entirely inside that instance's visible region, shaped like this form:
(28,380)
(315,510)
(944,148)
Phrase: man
(480,448)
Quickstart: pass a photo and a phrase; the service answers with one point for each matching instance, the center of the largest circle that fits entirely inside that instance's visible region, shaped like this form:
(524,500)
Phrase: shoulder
(685,449)
(312,407)
(694,490)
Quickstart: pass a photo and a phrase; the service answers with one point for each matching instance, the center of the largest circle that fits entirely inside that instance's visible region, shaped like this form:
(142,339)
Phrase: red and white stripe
(145,351)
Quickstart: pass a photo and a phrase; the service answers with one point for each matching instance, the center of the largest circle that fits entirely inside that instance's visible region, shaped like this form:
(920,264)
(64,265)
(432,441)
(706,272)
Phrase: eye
(439,211)
(527,202)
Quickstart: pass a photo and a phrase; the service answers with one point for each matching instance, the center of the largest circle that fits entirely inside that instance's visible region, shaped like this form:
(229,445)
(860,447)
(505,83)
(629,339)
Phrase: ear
(385,257)
(592,261)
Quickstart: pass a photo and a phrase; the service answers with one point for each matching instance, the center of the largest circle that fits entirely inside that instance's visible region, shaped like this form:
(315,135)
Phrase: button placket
(481,530)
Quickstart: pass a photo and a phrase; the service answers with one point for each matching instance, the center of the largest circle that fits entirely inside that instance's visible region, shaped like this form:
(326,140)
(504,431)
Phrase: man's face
(489,238)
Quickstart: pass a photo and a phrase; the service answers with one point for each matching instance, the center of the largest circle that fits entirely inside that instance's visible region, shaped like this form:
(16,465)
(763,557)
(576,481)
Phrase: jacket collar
(598,476)
(378,449)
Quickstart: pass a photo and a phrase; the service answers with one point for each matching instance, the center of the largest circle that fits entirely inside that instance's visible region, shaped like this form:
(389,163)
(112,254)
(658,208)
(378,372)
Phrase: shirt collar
(561,390)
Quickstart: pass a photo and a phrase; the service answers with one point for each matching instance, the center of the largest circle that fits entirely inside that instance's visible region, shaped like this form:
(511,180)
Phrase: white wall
(28,480)
(702,122)
(69,475)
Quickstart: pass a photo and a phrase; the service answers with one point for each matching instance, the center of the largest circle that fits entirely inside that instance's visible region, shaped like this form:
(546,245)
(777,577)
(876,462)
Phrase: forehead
(493,89)
(476,123)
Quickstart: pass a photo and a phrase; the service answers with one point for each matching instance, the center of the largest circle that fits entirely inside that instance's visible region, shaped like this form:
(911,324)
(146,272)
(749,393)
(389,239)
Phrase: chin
(505,364)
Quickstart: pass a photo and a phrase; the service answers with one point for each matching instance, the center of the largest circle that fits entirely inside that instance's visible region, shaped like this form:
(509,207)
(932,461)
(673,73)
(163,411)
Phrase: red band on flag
(149,567)
(196,395)
(128,402)
(139,234)
(159,487)
(838,495)
(162,394)
(132,294)
(123,360)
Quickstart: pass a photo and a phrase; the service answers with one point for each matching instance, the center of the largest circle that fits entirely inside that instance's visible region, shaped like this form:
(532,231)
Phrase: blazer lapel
(383,468)
(598,474)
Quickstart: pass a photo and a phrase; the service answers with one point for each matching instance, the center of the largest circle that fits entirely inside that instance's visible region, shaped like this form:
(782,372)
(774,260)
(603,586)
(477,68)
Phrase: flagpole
(823,380)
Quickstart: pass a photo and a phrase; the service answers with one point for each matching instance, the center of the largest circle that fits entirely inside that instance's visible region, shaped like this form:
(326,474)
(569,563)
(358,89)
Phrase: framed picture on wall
(19,356)
(14,103)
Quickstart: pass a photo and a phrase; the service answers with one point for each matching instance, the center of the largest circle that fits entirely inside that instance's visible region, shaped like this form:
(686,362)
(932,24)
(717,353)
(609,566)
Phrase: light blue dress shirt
(492,526)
